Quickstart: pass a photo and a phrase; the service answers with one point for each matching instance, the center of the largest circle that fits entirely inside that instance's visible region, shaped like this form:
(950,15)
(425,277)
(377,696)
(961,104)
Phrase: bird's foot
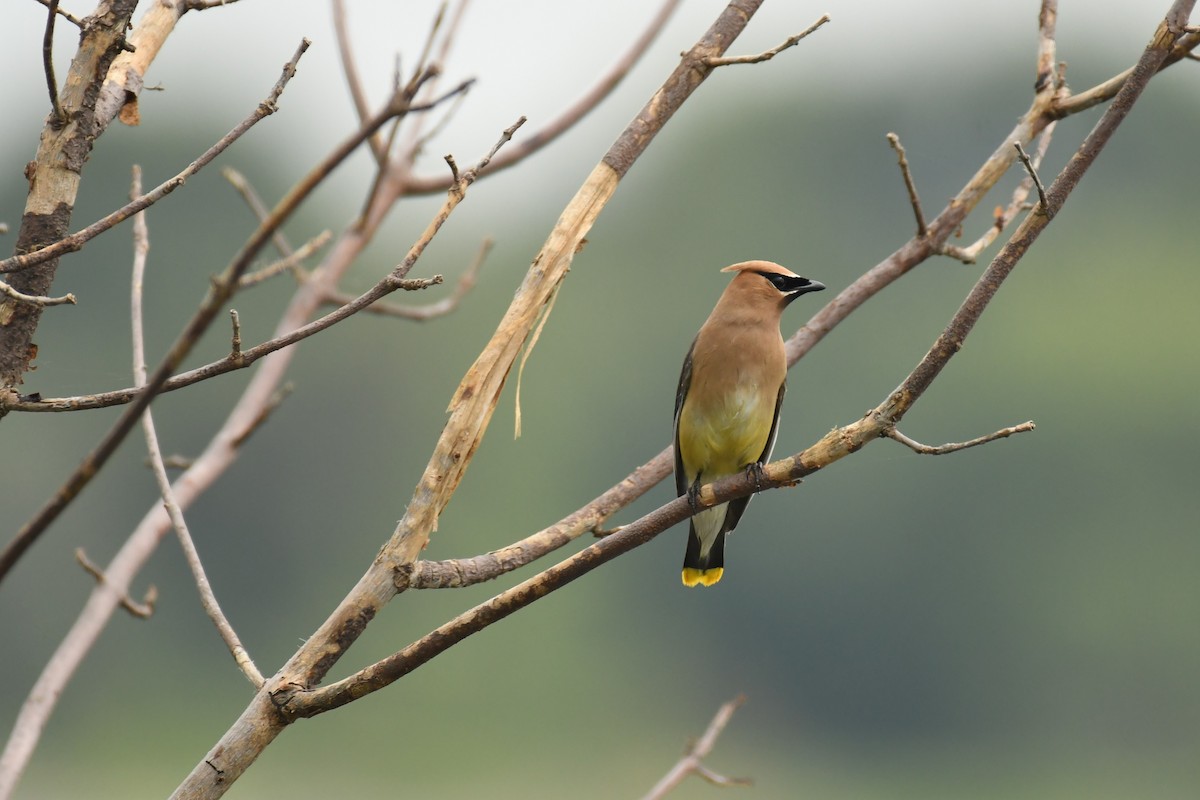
(755,470)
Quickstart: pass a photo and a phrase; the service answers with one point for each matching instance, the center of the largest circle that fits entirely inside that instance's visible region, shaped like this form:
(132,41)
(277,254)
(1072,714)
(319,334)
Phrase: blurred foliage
(1015,620)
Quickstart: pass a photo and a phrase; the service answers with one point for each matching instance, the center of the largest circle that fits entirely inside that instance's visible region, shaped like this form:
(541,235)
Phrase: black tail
(703,571)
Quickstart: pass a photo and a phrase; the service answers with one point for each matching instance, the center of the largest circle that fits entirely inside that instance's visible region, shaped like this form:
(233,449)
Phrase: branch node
(766,55)
(1037,182)
(952,447)
(141,610)
(692,760)
(909,184)
(235,350)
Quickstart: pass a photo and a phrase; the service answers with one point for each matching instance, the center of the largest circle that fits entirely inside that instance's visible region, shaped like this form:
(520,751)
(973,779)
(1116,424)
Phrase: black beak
(798,286)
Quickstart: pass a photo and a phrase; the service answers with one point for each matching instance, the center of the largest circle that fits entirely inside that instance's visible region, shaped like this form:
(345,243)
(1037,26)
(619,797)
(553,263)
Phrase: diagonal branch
(693,760)
(531,143)
(834,446)
(766,55)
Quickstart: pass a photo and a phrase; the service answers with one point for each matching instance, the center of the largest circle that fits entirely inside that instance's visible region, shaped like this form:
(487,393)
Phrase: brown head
(761,290)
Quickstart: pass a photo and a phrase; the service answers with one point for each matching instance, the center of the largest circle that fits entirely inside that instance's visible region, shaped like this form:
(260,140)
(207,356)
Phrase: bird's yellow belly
(722,439)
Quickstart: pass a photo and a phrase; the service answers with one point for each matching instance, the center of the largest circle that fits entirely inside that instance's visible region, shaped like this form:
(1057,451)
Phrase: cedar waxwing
(727,405)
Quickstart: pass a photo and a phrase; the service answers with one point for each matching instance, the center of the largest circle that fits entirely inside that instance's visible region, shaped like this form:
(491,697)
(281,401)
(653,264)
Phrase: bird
(727,405)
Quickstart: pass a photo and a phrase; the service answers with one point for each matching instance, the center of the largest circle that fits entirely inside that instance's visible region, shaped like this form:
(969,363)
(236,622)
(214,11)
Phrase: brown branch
(1041,190)
(142,610)
(289,263)
(58,117)
(531,143)
(353,81)
(248,194)
(1039,120)
(954,447)
(36,300)
(1080,101)
(906,173)
(261,394)
(1004,216)
(471,409)
(692,761)
(834,446)
(766,55)
(54,176)
(76,241)
(222,287)
(1047,23)
(440,308)
(71,18)
(203,5)
(208,600)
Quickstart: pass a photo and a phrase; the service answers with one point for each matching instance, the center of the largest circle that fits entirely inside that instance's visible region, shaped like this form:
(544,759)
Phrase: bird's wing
(685,381)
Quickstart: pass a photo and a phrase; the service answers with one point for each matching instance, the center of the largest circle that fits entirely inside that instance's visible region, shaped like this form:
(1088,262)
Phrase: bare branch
(834,446)
(1101,92)
(954,447)
(218,293)
(1004,216)
(350,70)
(440,308)
(693,758)
(71,18)
(203,5)
(243,187)
(268,408)
(1041,190)
(58,116)
(1047,21)
(142,610)
(141,248)
(288,263)
(531,143)
(767,55)
(913,199)
(76,241)
(235,344)
(35,300)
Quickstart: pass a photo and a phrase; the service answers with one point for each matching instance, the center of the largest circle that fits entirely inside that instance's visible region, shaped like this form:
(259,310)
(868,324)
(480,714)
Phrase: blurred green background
(1017,620)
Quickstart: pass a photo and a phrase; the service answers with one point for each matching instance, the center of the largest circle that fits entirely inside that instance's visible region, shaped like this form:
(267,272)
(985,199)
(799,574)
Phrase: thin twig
(142,610)
(36,300)
(77,240)
(288,263)
(766,55)
(59,118)
(1041,190)
(1004,216)
(268,408)
(693,758)
(141,248)
(202,5)
(71,18)
(247,192)
(909,184)
(353,82)
(235,341)
(440,308)
(532,142)
(954,447)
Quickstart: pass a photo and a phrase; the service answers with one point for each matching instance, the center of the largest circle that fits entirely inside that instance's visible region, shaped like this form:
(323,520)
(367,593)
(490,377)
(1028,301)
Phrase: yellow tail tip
(701,577)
